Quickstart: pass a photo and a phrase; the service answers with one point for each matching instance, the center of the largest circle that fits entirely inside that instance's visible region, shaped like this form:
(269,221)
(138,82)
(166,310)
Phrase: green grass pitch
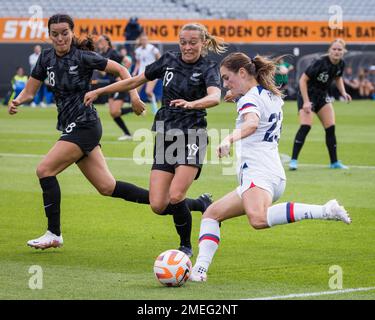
(110,245)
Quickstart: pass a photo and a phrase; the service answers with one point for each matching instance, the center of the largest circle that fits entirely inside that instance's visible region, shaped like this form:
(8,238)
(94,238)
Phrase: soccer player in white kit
(261,175)
(146,54)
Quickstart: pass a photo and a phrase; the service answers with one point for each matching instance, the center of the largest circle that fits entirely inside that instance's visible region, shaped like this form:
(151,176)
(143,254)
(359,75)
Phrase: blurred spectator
(18,82)
(131,33)
(43,91)
(351,82)
(281,75)
(33,58)
(372,80)
(366,88)
(145,55)
(127,60)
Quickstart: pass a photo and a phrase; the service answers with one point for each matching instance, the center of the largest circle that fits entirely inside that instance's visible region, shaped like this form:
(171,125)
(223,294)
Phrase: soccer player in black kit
(313,97)
(191,83)
(68,66)
(115,100)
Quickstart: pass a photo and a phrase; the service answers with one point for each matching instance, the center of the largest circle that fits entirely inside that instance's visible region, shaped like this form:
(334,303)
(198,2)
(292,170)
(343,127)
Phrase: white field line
(141,160)
(313,294)
(25,155)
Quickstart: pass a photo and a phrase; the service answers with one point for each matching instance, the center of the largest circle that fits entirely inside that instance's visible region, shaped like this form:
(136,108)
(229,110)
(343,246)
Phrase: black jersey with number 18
(69,78)
(188,81)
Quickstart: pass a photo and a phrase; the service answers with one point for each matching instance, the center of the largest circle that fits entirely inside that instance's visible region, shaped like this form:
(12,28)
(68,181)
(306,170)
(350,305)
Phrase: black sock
(300,140)
(331,143)
(122,125)
(52,200)
(182,221)
(130,192)
(194,204)
(126,110)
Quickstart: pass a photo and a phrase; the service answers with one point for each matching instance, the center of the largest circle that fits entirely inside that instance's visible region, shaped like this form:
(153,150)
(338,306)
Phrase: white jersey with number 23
(258,153)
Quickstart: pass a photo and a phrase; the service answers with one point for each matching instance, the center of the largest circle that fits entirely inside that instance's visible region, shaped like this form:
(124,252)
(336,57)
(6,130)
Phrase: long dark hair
(108,39)
(260,67)
(82,44)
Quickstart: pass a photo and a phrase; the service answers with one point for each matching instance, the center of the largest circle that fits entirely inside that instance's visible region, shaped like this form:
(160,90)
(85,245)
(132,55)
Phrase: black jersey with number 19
(182,81)
(69,78)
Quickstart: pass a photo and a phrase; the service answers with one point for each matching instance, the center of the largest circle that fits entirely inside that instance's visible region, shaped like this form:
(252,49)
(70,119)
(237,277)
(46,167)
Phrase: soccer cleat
(293,164)
(198,274)
(333,211)
(48,240)
(206,199)
(125,137)
(187,250)
(338,165)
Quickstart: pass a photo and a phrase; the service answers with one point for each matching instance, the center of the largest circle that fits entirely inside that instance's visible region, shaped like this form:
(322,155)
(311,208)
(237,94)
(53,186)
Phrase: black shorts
(86,135)
(318,100)
(118,95)
(186,149)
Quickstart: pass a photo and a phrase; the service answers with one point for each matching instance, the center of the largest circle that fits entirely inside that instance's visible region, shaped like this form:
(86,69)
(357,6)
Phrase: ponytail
(265,73)
(86,44)
(260,67)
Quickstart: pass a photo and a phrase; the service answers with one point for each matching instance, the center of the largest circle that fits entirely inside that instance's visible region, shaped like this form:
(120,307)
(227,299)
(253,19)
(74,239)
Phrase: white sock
(209,238)
(289,212)
(154,104)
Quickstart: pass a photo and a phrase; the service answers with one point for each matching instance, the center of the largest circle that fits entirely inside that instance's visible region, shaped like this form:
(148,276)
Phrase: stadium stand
(194,9)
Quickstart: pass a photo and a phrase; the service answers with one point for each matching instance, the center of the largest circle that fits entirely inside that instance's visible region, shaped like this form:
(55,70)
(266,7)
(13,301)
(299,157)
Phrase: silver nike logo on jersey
(168,68)
(48,68)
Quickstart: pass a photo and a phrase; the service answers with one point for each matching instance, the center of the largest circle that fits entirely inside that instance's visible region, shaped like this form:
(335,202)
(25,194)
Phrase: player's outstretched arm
(26,95)
(248,128)
(123,85)
(210,100)
(118,70)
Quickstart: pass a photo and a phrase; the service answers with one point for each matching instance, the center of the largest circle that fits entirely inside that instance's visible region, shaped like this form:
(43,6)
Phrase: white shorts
(273,184)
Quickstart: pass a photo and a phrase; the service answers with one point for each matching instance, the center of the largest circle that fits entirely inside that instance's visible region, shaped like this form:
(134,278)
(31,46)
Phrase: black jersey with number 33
(182,81)
(322,72)
(69,78)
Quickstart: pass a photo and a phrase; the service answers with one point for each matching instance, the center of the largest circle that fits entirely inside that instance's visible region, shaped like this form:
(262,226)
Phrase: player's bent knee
(158,208)
(105,189)
(212,213)
(115,114)
(43,171)
(258,224)
(176,196)
(257,220)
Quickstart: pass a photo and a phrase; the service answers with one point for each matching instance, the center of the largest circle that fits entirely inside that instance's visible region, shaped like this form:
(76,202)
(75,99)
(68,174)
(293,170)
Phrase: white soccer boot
(198,274)
(333,211)
(125,137)
(48,240)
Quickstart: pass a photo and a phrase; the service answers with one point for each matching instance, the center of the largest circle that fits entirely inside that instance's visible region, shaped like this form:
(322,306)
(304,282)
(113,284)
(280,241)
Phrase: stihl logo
(22,30)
